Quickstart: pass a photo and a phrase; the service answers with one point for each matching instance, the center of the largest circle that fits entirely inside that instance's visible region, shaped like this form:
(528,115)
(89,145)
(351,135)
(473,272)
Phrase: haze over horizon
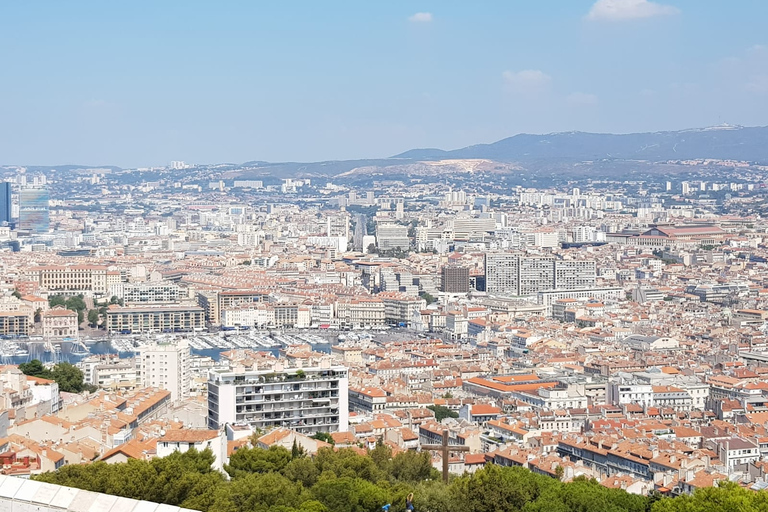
(142,84)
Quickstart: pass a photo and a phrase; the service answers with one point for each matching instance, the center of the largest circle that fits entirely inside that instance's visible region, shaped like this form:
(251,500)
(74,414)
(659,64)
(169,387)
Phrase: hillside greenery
(281,480)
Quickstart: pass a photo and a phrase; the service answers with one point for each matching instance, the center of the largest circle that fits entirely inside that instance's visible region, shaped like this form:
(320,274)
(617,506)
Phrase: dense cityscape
(384,256)
(614,331)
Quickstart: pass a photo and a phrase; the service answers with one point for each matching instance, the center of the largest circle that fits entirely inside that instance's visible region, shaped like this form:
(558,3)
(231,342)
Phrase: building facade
(33,210)
(59,322)
(70,280)
(392,236)
(519,274)
(146,293)
(166,366)
(155,319)
(14,323)
(455,279)
(5,203)
(308,400)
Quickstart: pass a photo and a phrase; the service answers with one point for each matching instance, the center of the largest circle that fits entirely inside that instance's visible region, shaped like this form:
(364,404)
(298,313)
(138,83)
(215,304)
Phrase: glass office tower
(33,210)
(5,203)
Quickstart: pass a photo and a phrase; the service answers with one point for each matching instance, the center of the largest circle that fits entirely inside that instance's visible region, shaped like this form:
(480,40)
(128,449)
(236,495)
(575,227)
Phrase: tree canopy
(68,376)
(442,412)
(343,480)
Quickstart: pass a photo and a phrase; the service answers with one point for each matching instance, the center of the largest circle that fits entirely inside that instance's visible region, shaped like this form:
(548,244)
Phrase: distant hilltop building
(179,164)
(248,184)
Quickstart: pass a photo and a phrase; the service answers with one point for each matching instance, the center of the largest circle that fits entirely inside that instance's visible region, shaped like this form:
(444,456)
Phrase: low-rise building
(59,322)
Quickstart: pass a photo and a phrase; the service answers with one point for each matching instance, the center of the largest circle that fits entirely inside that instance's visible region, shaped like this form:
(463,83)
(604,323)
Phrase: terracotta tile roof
(188,436)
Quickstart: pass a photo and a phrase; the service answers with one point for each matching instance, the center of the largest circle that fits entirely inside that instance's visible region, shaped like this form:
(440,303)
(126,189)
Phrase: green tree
(78,305)
(442,412)
(57,300)
(297,451)
(17,294)
(69,377)
(259,493)
(349,494)
(411,466)
(257,460)
(586,494)
(175,479)
(324,436)
(497,489)
(381,455)
(726,497)
(428,298)
(302,470)
(346,462)
(75,304)
(93,317)
(35,368)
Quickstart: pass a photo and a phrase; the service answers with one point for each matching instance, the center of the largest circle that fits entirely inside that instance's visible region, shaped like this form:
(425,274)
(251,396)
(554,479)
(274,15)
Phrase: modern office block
(455,279)
(33,210)
(5,203)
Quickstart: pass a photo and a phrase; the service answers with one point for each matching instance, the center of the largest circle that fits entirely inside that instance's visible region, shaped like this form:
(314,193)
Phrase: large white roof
(44,497)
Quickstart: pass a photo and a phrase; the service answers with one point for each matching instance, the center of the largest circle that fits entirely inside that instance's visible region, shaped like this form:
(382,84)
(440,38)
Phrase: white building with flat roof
(166,366)
(307,399)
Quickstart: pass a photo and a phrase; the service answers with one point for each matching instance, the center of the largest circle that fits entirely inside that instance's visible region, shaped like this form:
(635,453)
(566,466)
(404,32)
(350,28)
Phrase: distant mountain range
(550,151)
(724,142)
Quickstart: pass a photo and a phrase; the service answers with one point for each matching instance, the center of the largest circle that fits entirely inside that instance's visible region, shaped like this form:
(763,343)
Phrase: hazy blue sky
(140,83)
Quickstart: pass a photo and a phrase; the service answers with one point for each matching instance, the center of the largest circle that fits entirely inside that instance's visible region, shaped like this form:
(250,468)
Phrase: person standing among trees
(409,503)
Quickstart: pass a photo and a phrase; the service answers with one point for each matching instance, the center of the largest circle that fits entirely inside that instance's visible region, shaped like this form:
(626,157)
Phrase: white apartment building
(146,293)
(251,315)
(735,453)
(621,394)
(248,184)
(543,239)
(183,440)
(45,392)
(520,274)
(548,297)
(401,308)
(575,274)
(166,367)
(569,397)
(120,374)
(307,399)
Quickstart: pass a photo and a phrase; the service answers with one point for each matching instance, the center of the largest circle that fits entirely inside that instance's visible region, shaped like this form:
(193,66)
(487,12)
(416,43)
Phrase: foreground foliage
(275,480)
